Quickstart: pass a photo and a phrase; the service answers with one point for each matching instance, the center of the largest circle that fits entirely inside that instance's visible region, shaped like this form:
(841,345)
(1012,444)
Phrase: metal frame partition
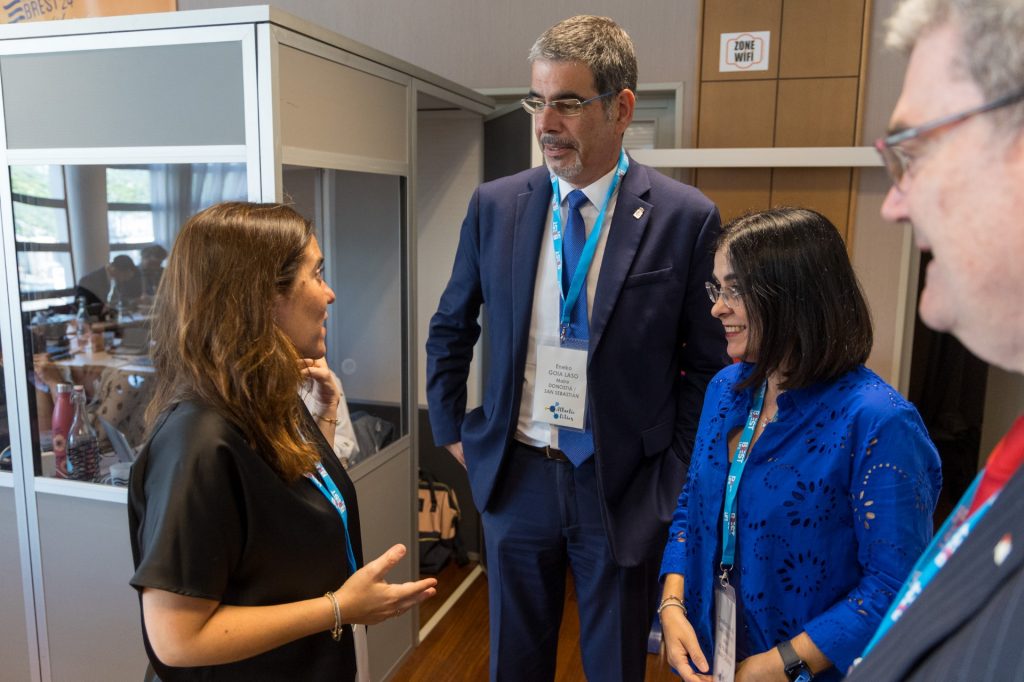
(48,578)
(286,87)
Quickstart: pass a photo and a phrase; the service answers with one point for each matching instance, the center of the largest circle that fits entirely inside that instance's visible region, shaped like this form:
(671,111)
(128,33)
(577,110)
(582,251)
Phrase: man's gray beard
(568,173)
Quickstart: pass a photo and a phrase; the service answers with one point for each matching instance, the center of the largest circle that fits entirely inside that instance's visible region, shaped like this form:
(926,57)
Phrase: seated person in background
(244,526)
(151,265)
(344,445)
(119,280)
(828,475)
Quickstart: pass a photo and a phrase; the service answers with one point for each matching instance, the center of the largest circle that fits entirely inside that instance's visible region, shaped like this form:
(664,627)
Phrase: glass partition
(91,241)
(360,228)
(6,463)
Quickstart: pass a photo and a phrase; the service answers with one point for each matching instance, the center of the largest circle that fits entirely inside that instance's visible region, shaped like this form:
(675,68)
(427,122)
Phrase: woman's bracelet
(336,630)
(329,420)
(671,600)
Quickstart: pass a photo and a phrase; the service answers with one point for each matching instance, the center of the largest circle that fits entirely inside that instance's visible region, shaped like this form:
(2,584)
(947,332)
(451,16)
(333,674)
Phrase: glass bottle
(83,460)
(82,317)
(60,425)
(82,324)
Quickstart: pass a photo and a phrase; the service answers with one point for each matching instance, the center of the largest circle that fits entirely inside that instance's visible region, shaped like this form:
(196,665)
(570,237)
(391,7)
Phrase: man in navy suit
(955,153)
(590,271)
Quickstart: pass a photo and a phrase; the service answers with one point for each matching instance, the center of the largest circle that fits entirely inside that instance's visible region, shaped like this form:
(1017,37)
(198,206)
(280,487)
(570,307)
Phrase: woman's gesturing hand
(681,646)
(367,597)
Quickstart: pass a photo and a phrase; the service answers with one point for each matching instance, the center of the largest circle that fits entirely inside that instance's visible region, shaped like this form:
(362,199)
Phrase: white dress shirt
(547,301)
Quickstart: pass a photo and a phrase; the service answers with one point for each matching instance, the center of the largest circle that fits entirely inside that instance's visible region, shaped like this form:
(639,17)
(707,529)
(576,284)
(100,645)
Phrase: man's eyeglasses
(898,161)
(562,107)
(730,294)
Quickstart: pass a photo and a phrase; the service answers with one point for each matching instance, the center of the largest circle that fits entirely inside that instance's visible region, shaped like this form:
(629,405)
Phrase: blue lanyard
(333,496)
(954,531)
(586,258)
(732,483)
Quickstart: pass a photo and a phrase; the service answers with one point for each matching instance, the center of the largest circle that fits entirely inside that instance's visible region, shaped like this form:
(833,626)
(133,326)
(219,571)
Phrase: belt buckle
(554,454)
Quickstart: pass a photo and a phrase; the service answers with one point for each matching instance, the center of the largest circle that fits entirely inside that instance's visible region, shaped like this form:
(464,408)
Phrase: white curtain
(179,191)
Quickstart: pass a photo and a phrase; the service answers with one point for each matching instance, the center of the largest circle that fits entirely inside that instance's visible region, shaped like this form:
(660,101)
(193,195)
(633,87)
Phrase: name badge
(560,393)
(725,632)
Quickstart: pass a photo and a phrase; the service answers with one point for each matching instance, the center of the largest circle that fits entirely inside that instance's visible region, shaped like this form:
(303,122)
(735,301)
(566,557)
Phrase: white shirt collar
(596,191)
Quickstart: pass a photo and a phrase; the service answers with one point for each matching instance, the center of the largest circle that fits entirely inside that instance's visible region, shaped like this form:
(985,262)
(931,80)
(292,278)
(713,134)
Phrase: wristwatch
(794,666)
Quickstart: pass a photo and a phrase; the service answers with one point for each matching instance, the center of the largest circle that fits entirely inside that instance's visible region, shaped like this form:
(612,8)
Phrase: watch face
(798,672)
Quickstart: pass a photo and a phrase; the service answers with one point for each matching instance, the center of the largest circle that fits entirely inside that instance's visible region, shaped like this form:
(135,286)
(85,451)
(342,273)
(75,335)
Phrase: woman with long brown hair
(244,527)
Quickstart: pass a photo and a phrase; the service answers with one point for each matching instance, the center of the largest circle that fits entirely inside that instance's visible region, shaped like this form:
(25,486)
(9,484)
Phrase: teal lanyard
(954,531)
(334,496)
(732,483)
(587,257)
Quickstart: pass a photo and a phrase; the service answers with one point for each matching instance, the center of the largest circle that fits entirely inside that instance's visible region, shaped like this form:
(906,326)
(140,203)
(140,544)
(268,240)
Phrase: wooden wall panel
(808,98)
(816,112)
(826,190)
(737,114)
(732,16)
(821,38)
(736,190)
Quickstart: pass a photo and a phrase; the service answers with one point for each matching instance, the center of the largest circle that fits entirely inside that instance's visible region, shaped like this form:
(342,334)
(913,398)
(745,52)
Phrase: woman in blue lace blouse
(823,474)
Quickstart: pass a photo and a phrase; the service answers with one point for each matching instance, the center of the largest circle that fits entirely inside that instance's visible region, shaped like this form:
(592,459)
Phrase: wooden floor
(457,648)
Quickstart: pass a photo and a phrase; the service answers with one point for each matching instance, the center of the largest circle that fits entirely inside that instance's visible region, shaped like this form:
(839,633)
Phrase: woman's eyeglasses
(730,294)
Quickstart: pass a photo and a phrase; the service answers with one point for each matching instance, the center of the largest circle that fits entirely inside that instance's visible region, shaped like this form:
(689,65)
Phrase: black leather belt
(545,451)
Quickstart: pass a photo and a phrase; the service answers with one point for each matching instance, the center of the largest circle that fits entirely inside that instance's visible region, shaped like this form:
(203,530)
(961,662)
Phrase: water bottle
(60,425)
(83,459)
(82,317)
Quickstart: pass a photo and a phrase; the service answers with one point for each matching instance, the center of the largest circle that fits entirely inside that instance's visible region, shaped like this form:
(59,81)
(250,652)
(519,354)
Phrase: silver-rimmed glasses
(729,293)
(898,161)
(562,107)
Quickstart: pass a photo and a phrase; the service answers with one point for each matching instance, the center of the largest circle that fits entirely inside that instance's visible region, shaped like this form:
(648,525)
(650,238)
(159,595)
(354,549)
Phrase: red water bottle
(63,414)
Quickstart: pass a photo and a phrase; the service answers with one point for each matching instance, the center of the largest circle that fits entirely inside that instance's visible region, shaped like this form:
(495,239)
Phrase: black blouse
(209,518)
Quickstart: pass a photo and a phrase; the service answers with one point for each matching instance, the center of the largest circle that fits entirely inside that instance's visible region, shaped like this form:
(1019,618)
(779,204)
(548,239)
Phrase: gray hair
(992,53)
(597,42)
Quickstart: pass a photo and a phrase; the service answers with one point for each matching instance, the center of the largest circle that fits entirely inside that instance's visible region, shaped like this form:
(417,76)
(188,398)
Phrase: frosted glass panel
(126,97)
(362,241)
(367,278)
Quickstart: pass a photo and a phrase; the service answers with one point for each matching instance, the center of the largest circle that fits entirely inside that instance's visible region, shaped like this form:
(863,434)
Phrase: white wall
(484,44)
(883,254)
(448,167)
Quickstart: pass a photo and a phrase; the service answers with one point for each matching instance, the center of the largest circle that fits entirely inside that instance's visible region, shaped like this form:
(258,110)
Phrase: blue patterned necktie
(577,445)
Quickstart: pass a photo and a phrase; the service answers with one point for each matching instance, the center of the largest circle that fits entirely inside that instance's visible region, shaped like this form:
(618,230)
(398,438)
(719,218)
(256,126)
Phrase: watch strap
(793,665)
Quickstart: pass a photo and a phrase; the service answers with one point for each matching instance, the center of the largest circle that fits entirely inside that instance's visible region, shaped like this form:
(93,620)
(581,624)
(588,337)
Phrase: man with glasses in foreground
(591,275)
(956,158)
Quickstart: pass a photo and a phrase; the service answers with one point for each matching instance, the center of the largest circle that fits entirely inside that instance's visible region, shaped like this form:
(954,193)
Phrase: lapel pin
(1002,549)
(638,213)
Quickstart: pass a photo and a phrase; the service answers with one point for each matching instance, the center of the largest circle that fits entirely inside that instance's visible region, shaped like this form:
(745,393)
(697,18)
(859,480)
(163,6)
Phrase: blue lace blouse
(835,505)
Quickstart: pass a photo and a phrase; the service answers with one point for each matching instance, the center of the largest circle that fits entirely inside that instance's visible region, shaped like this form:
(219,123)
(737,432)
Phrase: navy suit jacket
(967,624)
(653,343)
